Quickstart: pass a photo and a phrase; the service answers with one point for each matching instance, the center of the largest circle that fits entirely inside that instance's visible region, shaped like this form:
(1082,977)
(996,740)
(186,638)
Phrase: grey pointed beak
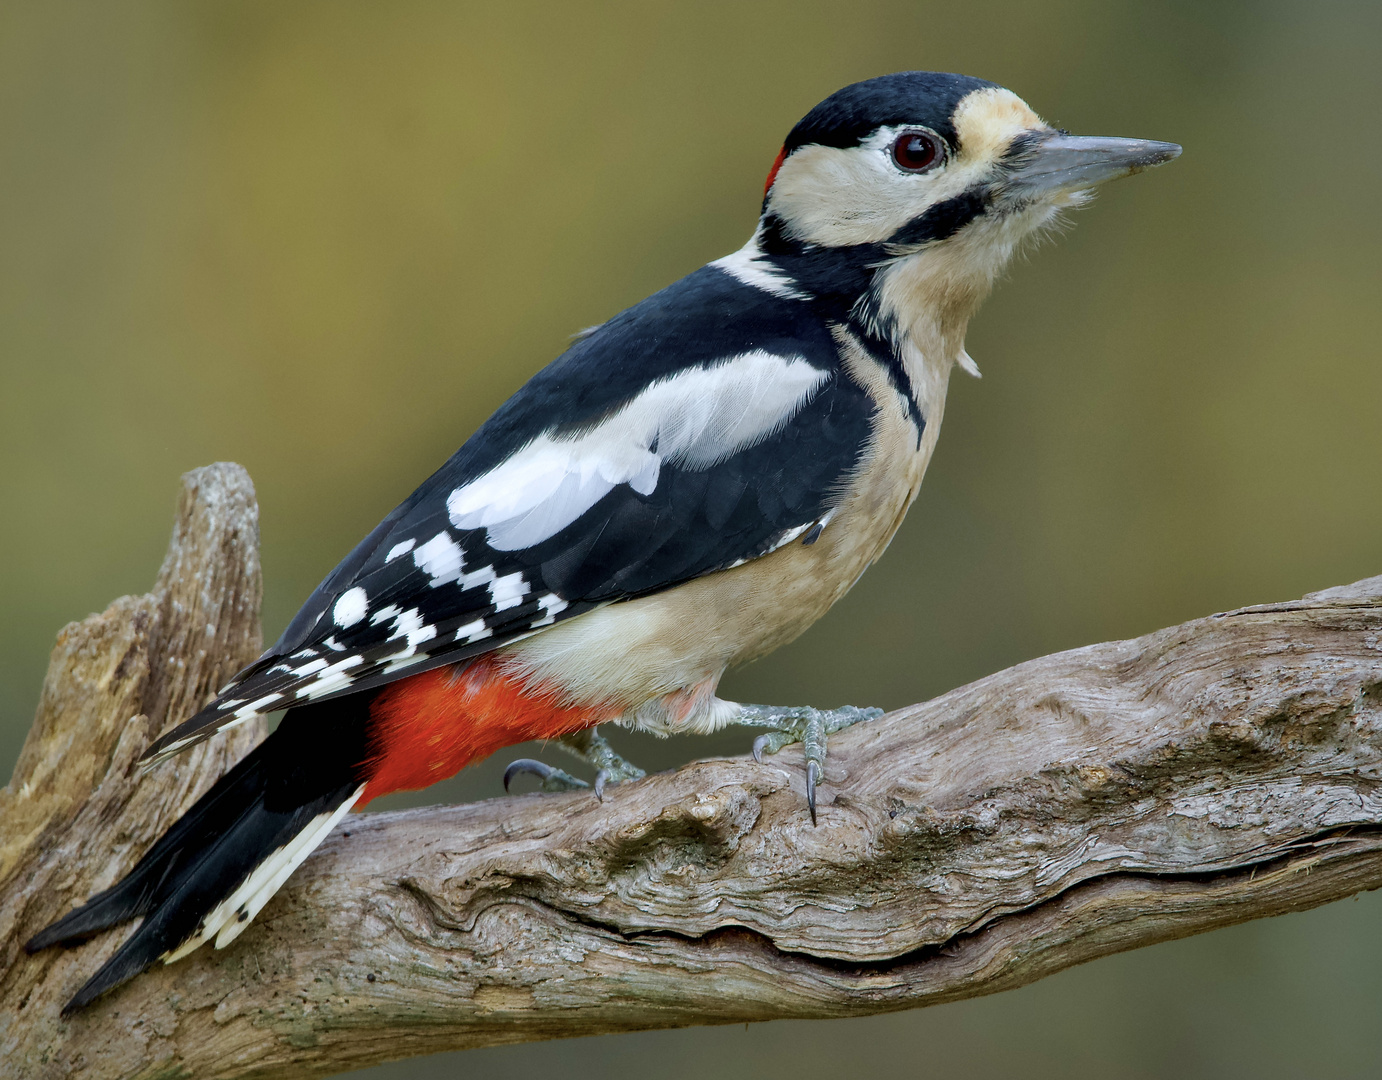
(1047,164)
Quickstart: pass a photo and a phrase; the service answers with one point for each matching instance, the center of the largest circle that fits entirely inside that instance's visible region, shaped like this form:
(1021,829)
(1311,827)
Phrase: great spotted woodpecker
(687,487)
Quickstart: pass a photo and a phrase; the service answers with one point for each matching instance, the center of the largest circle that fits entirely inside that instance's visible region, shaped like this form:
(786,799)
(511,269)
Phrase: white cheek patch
(838,196)
(694,420)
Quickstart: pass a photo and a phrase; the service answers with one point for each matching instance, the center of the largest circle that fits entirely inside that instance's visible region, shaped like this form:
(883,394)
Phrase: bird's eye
(916,151)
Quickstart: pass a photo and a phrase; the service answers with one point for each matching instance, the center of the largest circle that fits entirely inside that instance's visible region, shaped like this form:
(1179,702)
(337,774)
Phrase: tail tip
(50,935)
(81,999)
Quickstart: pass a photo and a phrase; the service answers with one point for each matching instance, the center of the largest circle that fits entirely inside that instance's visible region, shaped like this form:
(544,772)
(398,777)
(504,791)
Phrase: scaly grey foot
(553,779)
(592,748)
(805,725)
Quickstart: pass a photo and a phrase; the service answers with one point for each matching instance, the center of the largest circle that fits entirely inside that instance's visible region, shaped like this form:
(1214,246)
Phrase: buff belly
(655,661)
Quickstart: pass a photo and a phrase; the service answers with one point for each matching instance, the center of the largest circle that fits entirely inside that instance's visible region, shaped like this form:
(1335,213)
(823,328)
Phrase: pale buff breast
(659,657)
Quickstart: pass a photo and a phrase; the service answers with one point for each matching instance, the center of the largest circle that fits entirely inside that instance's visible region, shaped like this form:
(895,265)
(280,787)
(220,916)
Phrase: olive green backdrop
(327,239)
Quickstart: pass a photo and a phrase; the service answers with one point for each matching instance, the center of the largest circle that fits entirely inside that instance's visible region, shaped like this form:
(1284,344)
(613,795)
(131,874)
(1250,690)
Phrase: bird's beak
(1051,163)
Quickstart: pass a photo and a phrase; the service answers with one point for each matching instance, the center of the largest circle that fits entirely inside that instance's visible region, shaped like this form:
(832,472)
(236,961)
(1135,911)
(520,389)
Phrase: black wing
(704,427)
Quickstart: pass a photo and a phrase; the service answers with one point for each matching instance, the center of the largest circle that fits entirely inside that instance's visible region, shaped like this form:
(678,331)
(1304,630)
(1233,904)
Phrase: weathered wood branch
(1062,810)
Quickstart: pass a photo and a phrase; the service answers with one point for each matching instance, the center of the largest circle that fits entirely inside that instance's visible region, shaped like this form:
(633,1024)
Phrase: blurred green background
(326,240)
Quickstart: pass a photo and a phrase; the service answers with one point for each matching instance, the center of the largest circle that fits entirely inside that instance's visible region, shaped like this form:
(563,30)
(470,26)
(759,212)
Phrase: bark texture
(1070,807)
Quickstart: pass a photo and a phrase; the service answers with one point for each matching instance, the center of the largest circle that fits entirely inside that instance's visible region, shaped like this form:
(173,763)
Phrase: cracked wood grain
(1071,807)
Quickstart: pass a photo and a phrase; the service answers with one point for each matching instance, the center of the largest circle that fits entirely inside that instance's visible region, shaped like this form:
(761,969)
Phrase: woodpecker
(687,487)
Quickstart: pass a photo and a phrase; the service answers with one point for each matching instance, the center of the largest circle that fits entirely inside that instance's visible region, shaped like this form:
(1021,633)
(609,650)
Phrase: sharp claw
(813,771)
(601,778)
(758,745)
(553,779)
(527,765)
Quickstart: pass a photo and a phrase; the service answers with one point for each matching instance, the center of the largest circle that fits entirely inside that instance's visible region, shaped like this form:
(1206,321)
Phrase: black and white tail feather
(210,874)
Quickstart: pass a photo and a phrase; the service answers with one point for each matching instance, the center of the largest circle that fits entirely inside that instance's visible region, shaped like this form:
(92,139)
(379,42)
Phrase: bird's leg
(805,725)
(592,748)
(610,766)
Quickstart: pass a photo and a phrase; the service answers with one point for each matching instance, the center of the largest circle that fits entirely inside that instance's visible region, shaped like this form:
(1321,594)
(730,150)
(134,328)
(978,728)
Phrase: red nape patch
(428,727)
(772,173)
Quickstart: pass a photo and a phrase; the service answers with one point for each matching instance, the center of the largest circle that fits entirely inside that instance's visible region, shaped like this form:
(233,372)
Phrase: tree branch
(1070,807)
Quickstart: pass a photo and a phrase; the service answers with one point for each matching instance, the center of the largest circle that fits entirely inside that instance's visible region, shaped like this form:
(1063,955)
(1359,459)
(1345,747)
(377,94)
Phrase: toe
(528,765)
(553,779)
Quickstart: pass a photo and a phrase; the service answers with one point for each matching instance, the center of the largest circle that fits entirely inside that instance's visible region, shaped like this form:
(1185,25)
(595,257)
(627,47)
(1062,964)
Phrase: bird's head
(904,196)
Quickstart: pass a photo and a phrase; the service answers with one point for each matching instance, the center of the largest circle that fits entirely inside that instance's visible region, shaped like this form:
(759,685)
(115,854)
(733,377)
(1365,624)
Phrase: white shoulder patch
(749,267)
(694,419)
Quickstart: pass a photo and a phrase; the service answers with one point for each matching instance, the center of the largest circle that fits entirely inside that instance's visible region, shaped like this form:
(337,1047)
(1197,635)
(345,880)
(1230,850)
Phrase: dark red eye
(916,151)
